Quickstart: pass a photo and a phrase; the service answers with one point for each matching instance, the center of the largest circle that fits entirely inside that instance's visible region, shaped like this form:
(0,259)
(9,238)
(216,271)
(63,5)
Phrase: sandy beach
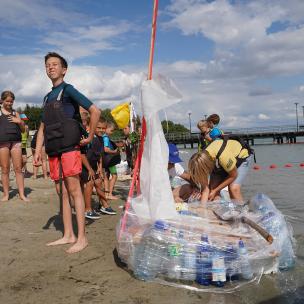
(31,272)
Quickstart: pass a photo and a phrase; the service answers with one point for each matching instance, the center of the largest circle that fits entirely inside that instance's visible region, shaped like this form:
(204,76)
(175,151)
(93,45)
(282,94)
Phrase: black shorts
(24,151)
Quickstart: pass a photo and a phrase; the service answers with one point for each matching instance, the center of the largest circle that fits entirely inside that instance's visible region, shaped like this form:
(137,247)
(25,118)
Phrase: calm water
(285,186)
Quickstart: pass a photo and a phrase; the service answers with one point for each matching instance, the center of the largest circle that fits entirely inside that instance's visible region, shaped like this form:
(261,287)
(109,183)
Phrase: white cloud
(103,85)
(263,116)
(85,41)
(36,13)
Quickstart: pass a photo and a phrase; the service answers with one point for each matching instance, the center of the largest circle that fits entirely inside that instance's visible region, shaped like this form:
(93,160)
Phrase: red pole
(153,34)
(136,170)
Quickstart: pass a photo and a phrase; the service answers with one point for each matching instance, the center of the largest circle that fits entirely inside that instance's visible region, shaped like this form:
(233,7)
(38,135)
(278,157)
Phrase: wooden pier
(279,135)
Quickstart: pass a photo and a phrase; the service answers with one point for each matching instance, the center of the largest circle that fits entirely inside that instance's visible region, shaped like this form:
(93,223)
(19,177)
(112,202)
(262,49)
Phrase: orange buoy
(273,166)
(256,167)
(288,165)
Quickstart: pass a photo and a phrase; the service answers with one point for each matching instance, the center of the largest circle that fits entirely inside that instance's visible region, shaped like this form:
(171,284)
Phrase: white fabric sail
(156,199)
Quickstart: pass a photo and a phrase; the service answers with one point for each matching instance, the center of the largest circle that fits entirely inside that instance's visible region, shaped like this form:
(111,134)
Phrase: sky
(241,59)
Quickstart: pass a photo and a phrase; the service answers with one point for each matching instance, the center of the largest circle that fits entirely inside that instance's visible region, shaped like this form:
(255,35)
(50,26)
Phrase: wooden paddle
(226,214)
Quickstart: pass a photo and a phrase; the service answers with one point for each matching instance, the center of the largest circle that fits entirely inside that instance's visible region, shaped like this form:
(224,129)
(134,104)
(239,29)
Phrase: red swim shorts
(71,165)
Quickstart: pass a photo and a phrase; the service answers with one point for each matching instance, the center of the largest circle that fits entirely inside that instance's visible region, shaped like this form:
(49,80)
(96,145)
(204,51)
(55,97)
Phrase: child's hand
(14,119)
(91,174)
(212,195)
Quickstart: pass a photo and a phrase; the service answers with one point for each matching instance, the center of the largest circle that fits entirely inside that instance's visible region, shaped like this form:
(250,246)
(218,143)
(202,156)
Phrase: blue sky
(240,59)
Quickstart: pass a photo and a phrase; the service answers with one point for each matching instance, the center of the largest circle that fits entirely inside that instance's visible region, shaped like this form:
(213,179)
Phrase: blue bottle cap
(204,238)
(161,225)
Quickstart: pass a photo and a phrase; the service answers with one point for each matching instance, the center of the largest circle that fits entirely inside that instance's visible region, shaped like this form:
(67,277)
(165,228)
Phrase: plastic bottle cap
(204,238)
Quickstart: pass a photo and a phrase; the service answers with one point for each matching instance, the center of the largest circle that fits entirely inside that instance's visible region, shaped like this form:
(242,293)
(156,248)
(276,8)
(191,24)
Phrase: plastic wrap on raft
(200,251)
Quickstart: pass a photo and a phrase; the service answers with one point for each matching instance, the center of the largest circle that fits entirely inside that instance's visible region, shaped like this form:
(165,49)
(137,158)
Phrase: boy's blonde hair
(200,167)
(202,123)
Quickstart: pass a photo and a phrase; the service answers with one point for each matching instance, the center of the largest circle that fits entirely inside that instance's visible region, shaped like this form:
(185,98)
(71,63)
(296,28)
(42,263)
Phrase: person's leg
(74,190)
(100,193)
(16,155)
(24,161)
(5,169)
(112,182)
(87,191)
(235,188)
(68,233)
(72,167)
(217,178)
(35,168)
(106,182)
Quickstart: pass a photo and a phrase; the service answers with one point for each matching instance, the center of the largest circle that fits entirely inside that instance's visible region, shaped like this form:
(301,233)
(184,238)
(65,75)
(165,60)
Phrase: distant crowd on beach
(73,143)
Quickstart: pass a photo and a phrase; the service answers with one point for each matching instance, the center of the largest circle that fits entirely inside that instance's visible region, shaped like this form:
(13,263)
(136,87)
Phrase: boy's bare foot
(78,246)
(112,197)
(63,241)
(4,198)
(24,198)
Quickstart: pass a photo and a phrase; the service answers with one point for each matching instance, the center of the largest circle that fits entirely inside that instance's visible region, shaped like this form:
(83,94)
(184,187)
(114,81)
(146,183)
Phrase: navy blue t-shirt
(72,99)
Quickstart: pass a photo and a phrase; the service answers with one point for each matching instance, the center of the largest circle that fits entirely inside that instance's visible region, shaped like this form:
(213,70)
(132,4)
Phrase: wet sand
(31,272)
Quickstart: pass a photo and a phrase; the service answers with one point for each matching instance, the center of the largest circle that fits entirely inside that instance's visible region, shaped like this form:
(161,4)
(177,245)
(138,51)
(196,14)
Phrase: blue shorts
(242,170)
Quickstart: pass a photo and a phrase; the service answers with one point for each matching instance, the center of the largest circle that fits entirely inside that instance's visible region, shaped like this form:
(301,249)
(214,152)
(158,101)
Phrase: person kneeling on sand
(61,132)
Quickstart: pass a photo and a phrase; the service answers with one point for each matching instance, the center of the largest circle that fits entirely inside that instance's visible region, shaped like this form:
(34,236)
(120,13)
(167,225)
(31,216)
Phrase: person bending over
(223,163)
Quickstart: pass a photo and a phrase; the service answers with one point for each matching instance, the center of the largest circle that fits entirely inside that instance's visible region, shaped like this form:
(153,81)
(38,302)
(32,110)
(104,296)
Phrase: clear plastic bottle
(231,256)
(218,269)
(203,262)
(174,264)
(188,272)
(245,267)
(150,254)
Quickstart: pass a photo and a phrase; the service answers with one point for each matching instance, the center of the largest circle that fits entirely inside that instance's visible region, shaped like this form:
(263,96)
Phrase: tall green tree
(33,113)
(171,127)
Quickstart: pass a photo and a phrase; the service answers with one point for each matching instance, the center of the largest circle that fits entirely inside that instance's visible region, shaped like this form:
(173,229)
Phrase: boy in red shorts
(61,132)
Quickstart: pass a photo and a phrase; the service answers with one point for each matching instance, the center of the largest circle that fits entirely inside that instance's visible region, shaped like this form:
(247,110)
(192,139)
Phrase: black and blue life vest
(61,133)
(9,131)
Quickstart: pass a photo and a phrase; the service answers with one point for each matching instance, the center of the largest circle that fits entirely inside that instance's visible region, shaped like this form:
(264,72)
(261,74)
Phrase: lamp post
(296,103)
(303,111)
(189,113)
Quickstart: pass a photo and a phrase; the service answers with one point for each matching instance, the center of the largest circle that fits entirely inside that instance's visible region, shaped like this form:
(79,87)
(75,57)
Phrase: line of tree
(34,113)
(171,127)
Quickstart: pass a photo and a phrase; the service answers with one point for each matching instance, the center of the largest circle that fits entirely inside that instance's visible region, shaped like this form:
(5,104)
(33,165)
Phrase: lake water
(285,186)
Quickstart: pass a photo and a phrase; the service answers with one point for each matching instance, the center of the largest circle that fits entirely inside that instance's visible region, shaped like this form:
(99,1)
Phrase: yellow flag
(121,115)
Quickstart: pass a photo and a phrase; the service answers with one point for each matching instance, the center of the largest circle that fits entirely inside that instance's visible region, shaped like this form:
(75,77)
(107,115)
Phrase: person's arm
(186,176)
(86,164)
(94,118)
(208,137)
(39,144)
(205,194)
(232,175)
(108,150)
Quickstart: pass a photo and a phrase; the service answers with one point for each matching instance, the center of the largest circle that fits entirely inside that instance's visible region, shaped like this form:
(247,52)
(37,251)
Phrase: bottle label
(174,250)
(218,270)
